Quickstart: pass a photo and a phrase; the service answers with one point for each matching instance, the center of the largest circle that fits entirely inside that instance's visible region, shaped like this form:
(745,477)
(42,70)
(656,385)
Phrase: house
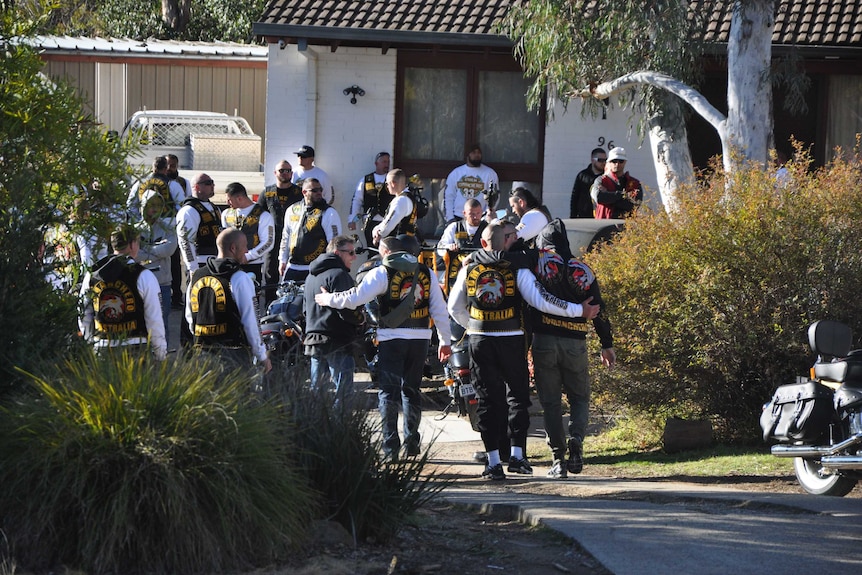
(437,76)
(117,77)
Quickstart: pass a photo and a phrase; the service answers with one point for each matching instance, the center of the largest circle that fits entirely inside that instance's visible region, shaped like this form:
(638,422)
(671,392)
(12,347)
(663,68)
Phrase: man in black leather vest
(488,299)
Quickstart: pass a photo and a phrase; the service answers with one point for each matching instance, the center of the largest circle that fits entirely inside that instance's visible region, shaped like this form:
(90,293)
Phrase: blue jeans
(399,369)
(339,365)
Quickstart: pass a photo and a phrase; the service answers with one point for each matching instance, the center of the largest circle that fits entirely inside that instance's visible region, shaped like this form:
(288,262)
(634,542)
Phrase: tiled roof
(801,22)
(835,23)
(386,19)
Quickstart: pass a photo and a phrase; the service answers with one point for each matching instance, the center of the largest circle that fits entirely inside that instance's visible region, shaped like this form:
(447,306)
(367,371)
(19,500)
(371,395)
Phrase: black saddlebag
(797,412)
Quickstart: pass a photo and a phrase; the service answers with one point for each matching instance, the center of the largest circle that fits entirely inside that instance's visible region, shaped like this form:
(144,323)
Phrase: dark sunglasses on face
(600,159)
(316,190)
(350,252)
(284,170)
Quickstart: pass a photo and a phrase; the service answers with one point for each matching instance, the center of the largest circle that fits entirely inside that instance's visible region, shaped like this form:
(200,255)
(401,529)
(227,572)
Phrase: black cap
(305,152)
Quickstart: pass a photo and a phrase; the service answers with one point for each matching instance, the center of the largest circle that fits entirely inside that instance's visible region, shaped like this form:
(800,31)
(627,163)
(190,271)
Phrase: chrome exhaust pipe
(842,462)
(815,451)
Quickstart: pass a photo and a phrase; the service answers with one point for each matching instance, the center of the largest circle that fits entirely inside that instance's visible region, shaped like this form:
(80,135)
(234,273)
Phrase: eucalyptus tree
(648,53)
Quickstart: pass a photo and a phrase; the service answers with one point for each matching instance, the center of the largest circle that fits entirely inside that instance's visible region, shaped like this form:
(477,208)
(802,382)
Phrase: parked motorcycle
(283,327)
(818,420)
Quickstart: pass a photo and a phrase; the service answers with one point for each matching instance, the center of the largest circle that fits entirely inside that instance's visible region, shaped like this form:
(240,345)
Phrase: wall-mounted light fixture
(355,91)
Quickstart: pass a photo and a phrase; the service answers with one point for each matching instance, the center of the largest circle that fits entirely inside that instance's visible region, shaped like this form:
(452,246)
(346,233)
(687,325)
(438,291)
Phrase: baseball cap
(617,154)
(305,152)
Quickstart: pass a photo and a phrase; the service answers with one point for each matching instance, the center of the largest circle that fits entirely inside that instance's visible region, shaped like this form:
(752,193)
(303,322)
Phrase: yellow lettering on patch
(213,284)
(496,315)
(210,330)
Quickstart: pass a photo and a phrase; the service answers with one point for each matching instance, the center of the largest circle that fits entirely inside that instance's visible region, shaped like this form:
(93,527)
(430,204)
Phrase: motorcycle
(818,420)
(283,327)
(462,394)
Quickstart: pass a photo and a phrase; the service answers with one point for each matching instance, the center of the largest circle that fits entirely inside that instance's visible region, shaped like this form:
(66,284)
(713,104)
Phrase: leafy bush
(339,450)
(710,308)
(120,465)
(51,152)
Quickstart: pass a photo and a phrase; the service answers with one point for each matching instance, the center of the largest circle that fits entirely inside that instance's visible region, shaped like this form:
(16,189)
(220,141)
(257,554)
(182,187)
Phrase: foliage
(120,465)
(340,452)
(710,310)
(211,20)
(567,45)
(51,153)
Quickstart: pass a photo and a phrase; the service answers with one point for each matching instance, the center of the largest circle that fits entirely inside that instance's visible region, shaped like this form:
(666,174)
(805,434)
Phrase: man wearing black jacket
(560,360)
(330,332)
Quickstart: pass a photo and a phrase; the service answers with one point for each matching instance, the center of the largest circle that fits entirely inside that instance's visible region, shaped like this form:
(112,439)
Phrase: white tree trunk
(749,84)
(671,154)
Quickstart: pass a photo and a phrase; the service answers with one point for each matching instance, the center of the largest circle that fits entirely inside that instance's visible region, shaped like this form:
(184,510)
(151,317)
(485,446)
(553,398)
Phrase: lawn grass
(607,455)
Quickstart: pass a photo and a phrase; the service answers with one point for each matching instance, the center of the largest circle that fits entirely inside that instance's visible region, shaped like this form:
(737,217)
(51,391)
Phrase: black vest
(408,224)
(216,320)
(277,200)
(568,280)
(309,241)
(208,229)
(399,286)
(375,195)
(118,307)
(464,241)
(495,303)
(249,225)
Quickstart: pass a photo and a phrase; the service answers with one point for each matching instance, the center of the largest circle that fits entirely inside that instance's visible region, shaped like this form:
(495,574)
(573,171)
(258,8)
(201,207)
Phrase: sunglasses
(600,159)
(284,170)
(351,252)
(316,190)
(618,161)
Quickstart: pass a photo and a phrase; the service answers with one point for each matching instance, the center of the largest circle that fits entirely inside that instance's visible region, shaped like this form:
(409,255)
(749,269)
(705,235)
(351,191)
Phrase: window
(845,113)
(445,102)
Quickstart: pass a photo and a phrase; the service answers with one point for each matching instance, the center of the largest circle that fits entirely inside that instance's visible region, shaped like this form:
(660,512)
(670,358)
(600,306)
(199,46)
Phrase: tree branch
(659,80)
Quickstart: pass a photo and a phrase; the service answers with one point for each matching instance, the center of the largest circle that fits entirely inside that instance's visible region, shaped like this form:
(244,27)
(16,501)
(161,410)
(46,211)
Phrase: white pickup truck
(223,146)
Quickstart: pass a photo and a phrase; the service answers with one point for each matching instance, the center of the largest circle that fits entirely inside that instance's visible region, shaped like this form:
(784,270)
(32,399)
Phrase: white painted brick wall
(347,136)
(569,139)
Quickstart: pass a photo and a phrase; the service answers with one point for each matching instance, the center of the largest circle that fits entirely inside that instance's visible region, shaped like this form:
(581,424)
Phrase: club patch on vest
(213,284)
(490,286)
(113,302)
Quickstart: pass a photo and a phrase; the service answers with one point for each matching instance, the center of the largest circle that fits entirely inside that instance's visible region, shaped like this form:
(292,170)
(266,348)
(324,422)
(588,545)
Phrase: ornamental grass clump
(339,450)
(710,307)
(124,465)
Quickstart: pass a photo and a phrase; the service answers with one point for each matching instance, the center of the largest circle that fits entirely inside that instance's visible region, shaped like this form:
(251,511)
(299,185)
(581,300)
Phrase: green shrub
(122,465)
(340,452)
(51,152)
(710,308)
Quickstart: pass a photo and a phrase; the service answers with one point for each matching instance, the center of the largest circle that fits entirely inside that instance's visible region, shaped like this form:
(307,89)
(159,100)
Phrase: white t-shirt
(300,174)
(466,182)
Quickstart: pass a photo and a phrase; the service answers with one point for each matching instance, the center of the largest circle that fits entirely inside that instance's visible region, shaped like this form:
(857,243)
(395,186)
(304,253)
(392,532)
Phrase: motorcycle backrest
(832,338)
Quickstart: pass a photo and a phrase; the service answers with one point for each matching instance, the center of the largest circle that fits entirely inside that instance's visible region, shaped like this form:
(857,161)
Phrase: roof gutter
(375,37)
